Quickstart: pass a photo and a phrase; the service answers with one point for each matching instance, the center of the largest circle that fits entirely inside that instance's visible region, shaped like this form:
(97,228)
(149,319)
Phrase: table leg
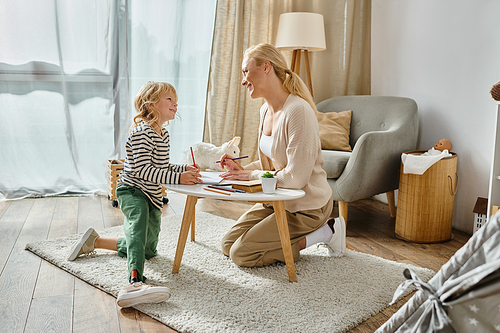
(187,219)
(279,209)
(192,227)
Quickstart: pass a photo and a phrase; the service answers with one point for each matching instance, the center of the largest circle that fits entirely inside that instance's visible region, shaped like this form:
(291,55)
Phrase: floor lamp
(299,32)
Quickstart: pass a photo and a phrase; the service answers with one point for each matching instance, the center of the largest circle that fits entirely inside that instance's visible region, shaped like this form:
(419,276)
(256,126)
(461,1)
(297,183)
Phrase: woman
(289,146)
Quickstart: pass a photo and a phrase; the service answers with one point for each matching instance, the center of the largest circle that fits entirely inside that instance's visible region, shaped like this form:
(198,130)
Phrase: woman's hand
(227,162)
(236,174)
(190,177)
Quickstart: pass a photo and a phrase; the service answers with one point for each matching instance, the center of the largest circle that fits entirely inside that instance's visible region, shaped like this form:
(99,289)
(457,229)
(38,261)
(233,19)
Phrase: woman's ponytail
(296,86)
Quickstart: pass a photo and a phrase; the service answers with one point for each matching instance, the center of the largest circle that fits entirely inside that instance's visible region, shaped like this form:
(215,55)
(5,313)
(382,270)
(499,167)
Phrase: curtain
(230,112)
(171,41)
(68,78)
(342,69)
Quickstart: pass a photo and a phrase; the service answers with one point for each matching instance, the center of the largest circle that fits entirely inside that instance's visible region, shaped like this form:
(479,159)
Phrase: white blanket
(418,164)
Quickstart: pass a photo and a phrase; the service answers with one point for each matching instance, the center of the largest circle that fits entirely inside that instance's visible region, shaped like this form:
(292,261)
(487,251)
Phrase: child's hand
(193,167)
(226,161)
(190,177)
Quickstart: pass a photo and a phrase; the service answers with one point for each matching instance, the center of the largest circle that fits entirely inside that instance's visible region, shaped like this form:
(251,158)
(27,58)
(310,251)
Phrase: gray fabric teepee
(464,296)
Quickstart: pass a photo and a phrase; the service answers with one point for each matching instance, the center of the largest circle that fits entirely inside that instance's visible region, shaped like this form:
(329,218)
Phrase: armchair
(382,128)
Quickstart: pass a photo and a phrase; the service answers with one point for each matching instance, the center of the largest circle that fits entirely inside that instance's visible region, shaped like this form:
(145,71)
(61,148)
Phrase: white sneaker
(85,245)
(138,293)
(336,245)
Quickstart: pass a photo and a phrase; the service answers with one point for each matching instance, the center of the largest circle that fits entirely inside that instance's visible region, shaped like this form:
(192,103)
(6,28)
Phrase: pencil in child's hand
(192,155)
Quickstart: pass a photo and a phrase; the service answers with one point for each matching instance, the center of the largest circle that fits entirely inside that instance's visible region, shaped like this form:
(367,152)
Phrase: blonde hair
(150,93)
(292,83)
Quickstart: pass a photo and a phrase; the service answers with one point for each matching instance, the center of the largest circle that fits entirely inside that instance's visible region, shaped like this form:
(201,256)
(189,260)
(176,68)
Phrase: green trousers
(142,226)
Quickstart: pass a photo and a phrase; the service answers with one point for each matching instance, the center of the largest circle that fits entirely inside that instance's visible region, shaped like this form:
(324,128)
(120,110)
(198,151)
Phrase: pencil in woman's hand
(234,159)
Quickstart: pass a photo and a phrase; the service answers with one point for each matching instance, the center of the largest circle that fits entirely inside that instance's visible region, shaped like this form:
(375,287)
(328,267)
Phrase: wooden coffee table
(277,199)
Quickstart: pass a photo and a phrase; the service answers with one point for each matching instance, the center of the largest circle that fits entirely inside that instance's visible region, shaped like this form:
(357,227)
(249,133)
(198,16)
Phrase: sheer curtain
(68,77)
(171,41)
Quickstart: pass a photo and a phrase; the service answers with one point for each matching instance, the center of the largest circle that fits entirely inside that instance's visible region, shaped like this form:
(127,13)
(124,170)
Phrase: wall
(445,55)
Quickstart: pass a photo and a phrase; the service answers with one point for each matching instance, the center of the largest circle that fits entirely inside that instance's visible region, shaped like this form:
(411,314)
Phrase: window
(67,80)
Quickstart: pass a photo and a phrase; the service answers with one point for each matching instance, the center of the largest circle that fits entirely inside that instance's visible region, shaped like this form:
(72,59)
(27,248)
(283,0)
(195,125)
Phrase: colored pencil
(192,155)
(234,159)
(226,189)
(209,189)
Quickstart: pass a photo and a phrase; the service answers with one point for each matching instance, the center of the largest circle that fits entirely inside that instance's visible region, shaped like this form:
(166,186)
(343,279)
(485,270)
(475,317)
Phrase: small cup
(268,185)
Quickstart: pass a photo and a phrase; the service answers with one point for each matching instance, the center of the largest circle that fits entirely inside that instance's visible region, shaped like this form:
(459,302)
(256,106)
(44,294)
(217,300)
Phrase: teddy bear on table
(206,154)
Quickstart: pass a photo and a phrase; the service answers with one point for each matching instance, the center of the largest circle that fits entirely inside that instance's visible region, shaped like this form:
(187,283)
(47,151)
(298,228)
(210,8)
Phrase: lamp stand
(296,66)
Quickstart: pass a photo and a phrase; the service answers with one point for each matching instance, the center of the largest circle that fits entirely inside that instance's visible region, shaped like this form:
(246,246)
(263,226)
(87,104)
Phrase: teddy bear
(207,154)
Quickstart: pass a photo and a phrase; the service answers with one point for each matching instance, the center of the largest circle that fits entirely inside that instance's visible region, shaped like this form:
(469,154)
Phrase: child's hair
(150,93)
(292,83)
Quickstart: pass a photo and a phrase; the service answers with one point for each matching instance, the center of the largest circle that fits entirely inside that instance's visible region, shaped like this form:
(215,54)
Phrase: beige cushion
(334,130)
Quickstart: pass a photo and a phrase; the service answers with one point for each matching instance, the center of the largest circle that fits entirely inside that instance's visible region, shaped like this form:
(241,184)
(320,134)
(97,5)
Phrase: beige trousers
(254,240)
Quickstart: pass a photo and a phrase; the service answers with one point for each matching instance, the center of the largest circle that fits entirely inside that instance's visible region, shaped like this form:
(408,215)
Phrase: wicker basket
(425,202)
(495,91)
(114,167)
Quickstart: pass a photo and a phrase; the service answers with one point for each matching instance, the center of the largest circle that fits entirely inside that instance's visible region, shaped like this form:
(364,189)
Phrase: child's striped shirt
(147,164)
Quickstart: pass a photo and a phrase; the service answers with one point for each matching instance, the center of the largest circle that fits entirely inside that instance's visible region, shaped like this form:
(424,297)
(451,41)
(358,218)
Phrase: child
(139,194)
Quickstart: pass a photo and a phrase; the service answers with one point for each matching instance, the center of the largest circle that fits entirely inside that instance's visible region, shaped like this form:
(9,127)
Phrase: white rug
(211,294)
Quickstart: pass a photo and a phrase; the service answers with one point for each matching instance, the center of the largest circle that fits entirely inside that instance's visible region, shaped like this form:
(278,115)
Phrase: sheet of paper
(212,178)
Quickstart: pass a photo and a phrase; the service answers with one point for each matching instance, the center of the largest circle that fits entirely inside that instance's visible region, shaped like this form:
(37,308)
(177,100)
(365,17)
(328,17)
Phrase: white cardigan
(296,152)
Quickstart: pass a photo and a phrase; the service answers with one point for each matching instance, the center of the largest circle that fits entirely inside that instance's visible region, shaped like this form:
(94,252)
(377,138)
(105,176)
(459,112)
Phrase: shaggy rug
(211,294)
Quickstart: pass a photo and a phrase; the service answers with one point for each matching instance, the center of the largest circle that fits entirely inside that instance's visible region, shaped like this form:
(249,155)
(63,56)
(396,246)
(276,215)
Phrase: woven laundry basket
(425,202)
(114,167)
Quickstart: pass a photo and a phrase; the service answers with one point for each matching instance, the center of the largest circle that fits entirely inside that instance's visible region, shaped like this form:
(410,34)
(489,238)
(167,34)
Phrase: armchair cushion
(334,130)
(335,162)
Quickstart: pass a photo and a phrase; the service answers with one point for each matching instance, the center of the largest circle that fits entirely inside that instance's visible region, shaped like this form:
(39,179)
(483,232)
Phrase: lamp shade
(299,30)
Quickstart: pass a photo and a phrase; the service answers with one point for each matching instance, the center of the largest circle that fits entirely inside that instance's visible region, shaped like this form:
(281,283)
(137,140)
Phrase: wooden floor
(38,297)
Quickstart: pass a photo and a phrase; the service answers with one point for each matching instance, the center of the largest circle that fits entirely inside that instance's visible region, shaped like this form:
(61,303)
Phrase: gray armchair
(382,127)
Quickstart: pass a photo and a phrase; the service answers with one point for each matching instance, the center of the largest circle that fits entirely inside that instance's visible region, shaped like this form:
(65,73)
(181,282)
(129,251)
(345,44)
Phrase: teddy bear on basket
(206,154)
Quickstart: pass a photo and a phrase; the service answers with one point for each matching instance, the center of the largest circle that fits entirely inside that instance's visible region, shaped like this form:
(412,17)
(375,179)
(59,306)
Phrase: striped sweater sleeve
(150,165)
